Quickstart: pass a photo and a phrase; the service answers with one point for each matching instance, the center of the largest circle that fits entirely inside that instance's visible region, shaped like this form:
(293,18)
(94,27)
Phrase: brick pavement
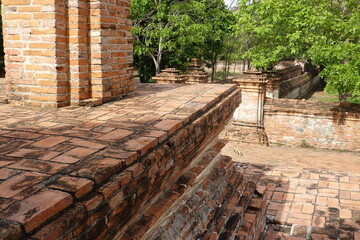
(307,199)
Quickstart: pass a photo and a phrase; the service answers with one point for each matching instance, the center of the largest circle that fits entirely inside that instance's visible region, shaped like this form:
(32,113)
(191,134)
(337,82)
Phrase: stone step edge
(247,203)
(173,194)
(254,220)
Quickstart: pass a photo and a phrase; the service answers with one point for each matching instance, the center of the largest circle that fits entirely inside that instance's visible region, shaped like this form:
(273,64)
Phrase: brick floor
(310,197)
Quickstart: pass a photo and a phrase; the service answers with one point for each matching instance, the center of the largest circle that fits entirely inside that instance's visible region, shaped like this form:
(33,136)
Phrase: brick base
(244,133)
(210,200)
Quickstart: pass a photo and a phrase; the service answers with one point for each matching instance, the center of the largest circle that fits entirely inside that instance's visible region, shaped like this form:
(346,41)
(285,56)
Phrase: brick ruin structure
(126,170)
(60,53)
(196,73)
(247,124)
(170,75)
(146,167)
(264,118)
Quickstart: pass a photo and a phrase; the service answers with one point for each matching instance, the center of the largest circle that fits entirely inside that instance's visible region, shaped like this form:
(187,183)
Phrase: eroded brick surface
(104,166)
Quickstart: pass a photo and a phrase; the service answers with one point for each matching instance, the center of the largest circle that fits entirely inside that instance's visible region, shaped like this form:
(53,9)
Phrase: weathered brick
(78,186)
(21,182)
(38,208)
(99,169)
(170,126)
(50,141)
(115,135)
(141,144)
(38,166)
(65,222)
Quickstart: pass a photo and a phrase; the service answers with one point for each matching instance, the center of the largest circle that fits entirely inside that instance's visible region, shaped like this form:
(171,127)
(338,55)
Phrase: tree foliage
(171,32)
(325,32)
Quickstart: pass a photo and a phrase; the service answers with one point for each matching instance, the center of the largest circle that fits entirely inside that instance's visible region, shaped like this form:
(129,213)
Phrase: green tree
(324,32)
(172,32)
(217,21)
(162,26)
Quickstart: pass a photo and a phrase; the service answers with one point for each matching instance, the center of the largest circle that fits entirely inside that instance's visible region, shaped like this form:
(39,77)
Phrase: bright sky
(228,2)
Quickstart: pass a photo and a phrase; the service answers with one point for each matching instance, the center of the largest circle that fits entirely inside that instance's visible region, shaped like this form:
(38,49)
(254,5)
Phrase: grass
(322,96)
(219,75)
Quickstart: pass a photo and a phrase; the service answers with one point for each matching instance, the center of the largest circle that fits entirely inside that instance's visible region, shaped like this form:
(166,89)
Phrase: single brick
(38,166)
(78,186)
(38,208)
(141,144)
(50,141)
(15,185)
(168,125)
(115,135)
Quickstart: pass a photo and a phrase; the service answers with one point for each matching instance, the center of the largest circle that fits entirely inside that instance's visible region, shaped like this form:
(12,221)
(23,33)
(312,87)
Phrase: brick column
(111,49)
(247,124)
(273,84)
(59,53)
(79,50)
(250,110)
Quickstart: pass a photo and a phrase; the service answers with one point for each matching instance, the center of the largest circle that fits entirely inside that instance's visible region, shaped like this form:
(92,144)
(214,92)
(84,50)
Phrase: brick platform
(97,173)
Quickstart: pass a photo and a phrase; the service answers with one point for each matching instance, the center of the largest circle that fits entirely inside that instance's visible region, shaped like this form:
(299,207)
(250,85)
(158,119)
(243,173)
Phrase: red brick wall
(59,53)
(311,123)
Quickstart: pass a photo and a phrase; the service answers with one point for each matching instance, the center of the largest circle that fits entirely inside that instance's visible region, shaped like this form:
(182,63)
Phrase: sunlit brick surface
(126,169)
(59,53)
(312,193)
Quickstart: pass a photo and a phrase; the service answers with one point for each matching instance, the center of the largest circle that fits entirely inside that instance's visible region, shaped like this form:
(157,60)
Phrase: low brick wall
(312,123)
(299,87)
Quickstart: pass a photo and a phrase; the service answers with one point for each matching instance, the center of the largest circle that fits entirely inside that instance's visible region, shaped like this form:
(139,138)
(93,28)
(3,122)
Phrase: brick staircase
(210,200)
(3,91)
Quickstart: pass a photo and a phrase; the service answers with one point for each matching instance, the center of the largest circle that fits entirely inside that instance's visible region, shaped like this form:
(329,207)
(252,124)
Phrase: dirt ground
(293,156)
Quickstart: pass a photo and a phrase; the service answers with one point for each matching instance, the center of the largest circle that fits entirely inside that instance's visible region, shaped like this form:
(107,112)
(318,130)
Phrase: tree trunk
(343,97)
(157,61)
(213,70)
(157,67)
(224,69)
(213,67)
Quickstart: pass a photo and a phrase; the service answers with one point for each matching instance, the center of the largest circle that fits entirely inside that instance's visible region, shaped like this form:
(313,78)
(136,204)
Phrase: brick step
(210,200)
(183,201)
(248,216)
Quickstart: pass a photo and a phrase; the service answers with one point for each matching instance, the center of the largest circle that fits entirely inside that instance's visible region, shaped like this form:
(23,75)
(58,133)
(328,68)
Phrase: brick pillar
(79,50)
(111,48)
(63,52)
(250,110)
(273,84)
(247,124)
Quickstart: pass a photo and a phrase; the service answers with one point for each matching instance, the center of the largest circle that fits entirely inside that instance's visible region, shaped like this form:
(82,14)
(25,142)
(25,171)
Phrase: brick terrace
(52,160)
(310,196)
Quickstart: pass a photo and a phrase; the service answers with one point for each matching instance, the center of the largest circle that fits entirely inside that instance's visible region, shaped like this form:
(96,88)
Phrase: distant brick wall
(311,123)
(299,87)
(59,53)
